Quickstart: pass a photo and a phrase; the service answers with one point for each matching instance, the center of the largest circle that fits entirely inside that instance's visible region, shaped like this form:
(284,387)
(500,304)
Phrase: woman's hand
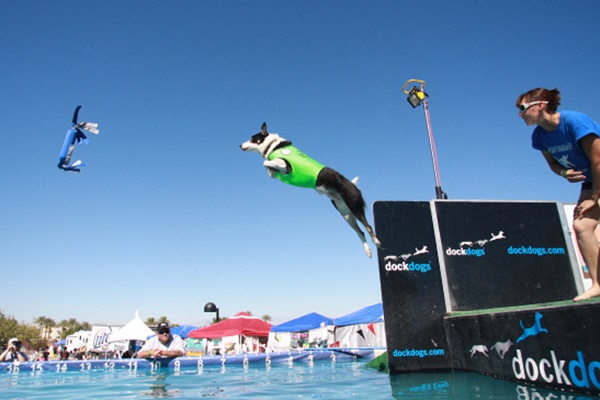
(584,207)
(573,176)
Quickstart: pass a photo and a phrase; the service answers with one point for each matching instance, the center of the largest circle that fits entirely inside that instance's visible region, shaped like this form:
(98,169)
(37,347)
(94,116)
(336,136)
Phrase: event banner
(549,346)
(411,287)
(499,254)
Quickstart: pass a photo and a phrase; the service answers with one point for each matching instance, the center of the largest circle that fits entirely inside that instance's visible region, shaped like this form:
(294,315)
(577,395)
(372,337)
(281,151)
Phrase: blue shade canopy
(183,330)
(365,315)
(303,323)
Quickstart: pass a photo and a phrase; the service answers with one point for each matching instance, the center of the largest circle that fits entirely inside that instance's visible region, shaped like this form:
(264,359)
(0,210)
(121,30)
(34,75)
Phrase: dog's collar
(274,146)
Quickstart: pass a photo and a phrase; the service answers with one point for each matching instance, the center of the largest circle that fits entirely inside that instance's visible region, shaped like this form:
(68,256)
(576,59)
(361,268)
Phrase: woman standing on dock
(570,143)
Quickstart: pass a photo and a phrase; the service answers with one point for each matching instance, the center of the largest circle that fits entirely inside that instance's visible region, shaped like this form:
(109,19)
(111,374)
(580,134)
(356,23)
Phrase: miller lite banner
(98,340)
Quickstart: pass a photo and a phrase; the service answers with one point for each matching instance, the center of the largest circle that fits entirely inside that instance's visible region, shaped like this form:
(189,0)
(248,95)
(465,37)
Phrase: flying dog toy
(75,136)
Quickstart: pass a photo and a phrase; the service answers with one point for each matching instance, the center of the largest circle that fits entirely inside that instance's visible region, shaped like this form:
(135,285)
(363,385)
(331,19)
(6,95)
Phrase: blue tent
(303,323)
(180,330)
(183,330)
(365,315)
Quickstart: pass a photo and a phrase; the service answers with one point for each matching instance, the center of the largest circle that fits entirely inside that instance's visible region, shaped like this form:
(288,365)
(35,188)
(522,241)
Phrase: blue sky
(170,214)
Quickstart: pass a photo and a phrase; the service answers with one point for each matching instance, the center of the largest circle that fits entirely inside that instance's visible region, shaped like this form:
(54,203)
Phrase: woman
(569,141)
(81,353)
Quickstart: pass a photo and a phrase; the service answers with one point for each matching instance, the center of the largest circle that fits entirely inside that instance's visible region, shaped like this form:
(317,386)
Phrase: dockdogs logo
(400,264)
(575,372)
(578,369)
(474,248)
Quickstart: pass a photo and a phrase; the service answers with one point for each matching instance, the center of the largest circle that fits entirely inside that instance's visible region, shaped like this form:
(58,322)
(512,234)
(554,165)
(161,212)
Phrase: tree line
(41,329)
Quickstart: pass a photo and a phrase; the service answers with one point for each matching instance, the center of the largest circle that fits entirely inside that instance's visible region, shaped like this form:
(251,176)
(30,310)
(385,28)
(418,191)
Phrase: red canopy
(240,324)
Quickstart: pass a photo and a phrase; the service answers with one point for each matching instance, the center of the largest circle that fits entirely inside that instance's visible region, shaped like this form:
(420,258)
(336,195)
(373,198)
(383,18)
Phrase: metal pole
(439,193)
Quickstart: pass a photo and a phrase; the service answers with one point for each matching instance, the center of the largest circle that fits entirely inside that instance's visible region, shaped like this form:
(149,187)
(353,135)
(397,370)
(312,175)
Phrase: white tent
(361,328)
(135,329)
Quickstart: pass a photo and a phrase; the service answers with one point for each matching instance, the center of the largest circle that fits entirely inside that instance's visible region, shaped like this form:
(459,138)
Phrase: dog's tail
(355,181)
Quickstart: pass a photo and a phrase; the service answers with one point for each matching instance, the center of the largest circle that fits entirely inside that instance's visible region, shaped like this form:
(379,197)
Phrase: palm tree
(71,326)
(151,321)
(41,323)
(45,324)
(266,318)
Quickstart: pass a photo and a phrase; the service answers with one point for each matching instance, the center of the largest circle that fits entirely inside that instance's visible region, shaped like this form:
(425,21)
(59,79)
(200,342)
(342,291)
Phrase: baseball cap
(163,326)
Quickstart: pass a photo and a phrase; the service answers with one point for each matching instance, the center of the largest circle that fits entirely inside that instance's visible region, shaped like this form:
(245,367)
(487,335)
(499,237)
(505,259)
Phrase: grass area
(563,303)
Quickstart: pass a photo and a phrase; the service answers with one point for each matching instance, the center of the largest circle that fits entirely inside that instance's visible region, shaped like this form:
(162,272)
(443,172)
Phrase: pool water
(318,380)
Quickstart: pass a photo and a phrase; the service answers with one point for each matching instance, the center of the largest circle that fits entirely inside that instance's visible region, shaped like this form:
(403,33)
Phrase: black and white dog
(286,163)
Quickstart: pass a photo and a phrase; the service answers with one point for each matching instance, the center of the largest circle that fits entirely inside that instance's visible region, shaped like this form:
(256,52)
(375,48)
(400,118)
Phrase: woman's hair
(541,94)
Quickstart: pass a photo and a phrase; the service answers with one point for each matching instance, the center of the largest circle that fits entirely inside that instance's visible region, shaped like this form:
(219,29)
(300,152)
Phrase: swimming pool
(321,379)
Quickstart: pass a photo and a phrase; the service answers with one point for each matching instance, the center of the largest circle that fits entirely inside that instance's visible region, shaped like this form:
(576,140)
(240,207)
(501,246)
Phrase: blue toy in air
(75,136)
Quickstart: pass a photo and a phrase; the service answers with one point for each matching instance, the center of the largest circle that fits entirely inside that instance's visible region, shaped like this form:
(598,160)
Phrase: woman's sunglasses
(525,106)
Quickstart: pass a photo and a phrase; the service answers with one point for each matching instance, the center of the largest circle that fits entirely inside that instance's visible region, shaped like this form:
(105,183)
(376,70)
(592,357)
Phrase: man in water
(163,345)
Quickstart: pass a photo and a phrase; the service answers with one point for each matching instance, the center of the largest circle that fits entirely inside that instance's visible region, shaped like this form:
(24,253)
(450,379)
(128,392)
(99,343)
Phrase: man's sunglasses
(525,106)
(164,331)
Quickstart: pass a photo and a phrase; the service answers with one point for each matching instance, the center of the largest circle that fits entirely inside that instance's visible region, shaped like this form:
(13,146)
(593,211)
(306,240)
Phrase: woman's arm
(571,175)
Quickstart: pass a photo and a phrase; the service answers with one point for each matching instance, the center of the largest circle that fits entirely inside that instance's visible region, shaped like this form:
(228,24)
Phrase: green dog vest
(304,169)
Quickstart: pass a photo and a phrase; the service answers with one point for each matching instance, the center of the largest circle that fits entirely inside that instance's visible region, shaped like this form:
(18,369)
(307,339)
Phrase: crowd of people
(163,345)
(15,352)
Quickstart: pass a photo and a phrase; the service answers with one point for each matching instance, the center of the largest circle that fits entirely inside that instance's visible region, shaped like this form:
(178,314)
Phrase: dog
(499,236)
(479,348)
(286,163)
(502,347)
(421,251)
(534,329)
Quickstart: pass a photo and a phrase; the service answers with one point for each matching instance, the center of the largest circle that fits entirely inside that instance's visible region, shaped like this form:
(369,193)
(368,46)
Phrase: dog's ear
(263,129)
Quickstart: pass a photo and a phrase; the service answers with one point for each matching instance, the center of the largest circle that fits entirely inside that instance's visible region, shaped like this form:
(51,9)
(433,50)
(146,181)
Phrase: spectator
(81,354)
(163,345)
(13,351)
(64,354)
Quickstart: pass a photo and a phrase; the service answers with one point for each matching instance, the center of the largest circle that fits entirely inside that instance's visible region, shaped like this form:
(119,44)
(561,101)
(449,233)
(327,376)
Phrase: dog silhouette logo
(533,330)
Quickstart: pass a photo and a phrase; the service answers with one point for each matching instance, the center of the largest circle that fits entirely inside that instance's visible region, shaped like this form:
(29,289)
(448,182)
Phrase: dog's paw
(271,172)
(368,250)
(376,242)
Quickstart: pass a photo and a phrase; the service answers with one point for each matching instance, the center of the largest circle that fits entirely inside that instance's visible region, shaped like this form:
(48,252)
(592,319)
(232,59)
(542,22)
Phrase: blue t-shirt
(562,143)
